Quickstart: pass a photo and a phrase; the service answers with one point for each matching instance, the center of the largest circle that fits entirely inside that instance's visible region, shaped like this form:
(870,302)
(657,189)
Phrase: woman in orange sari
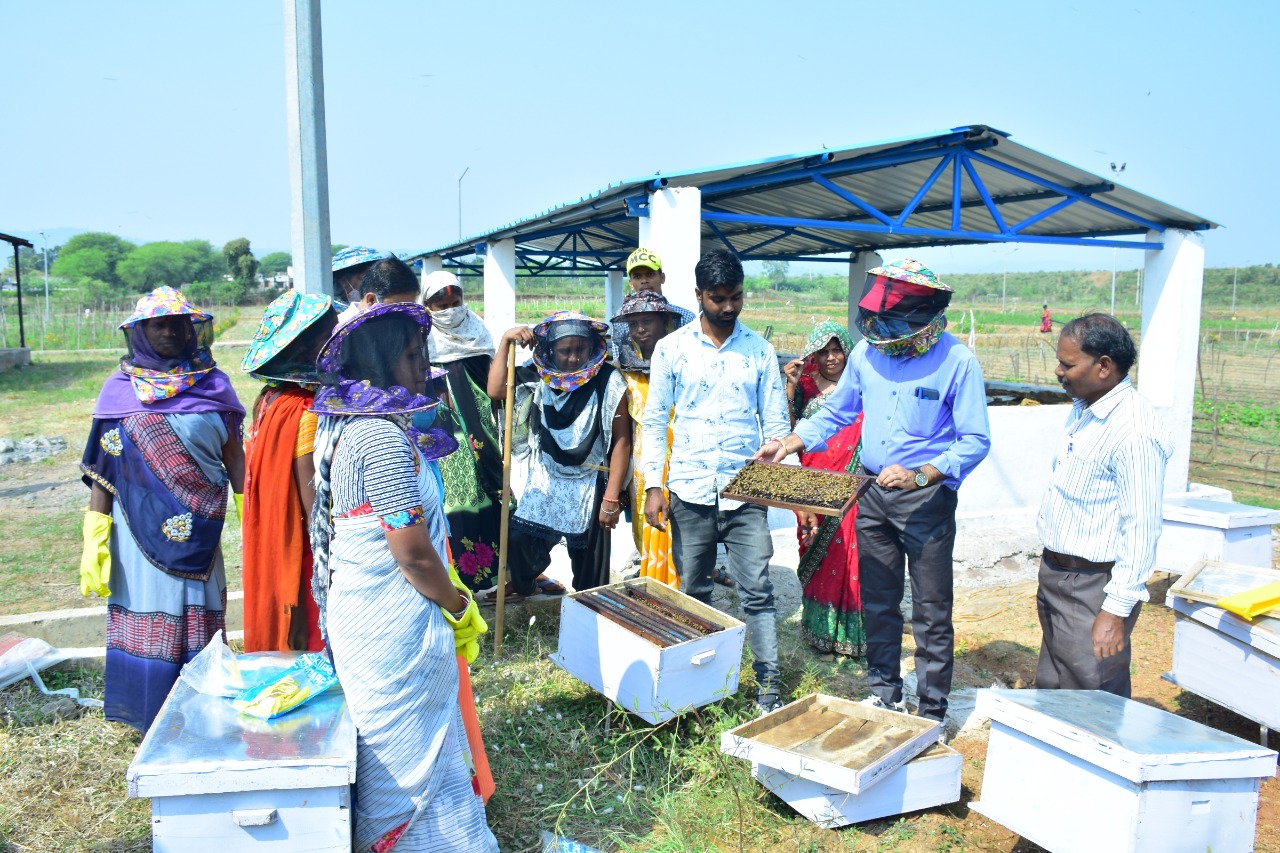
(279,612)
(831,618)
(648,318)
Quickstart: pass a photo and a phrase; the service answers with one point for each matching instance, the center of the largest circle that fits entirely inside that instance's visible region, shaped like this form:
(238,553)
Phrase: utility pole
(1235,275)
(46,277)
(308,152)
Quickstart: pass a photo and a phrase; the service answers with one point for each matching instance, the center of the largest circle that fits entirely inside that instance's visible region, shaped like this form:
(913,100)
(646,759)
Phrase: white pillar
(858,266)
(1173,282)
(432,263)
(615,290)
(500,287)
(673,229)
(308,161)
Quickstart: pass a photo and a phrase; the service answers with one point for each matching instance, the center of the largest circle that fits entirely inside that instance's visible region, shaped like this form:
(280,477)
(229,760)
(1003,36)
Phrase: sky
(166,121)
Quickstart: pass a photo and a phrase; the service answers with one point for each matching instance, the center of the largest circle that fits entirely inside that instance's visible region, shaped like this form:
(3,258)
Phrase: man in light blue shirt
(723,381)
(925,430)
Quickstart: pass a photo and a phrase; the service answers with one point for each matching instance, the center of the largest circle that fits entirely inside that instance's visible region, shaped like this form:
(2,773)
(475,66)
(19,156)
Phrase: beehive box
(219,781)
(1085,770)
(638,675)
(1196,529)
(835,742)
(928,780)
(1217,654)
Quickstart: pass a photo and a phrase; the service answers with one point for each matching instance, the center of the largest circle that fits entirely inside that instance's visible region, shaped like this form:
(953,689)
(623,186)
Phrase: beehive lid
(842,744)
(200,744)
(1128,738)
(1210,580)
(1263,633)
(1224,515)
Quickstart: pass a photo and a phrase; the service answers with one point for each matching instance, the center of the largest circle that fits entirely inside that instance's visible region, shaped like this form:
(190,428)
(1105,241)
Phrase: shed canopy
(967,185)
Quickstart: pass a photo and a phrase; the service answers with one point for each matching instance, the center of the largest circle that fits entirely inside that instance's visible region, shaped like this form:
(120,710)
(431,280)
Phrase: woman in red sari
(831,620)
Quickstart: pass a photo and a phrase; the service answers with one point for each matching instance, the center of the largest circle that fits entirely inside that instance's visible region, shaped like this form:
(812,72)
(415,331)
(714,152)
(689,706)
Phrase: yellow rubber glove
(95,560)
(467,630)
(239,500)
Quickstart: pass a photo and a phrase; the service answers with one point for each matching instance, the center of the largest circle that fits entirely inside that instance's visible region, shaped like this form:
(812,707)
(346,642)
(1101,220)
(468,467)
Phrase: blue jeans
(696,530)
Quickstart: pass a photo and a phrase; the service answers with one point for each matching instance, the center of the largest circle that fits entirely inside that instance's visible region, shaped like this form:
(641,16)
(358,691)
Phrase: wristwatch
(922,479)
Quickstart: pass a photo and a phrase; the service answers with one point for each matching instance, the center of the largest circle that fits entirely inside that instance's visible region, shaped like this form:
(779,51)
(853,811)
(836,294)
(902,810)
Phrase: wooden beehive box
(650,681)
(835,742)
(1196,529)
(928,780)
(1085,770)
(1220,656)
(219,781)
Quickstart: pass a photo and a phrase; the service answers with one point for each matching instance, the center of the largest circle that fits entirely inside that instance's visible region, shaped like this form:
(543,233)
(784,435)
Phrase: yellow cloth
(654,545)
(1254,602)
(305,443)
(95,560)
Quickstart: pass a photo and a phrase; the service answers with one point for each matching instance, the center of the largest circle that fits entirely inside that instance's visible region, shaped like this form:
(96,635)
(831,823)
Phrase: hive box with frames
(653,677)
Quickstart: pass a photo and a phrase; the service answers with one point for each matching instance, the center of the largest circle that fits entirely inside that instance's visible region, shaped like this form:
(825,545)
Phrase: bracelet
(465,607)
(781,441)
(610,501)
(609,511)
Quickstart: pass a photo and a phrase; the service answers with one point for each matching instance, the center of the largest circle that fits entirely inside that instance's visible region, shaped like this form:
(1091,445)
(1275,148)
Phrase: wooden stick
(509,412)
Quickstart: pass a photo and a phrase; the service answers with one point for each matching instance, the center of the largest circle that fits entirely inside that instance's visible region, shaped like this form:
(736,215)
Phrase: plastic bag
(311,675)
(16,651)
(214,671)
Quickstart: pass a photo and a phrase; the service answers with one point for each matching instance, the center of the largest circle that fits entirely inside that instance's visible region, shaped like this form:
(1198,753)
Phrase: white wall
(1006,488)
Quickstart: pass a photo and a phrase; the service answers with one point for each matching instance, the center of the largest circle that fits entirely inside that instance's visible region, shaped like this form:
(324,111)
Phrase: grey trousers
(1068,601)
(911,531)
(696,529)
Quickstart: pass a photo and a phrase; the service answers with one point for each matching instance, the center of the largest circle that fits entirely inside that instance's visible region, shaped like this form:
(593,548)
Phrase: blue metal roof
(967,185)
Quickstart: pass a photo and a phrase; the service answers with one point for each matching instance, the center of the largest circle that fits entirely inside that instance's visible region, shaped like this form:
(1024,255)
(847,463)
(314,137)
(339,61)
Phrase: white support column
(858,267)
(500,287)
(675,232)
(615,290)
(1173,282)
(308,161)
(432,263)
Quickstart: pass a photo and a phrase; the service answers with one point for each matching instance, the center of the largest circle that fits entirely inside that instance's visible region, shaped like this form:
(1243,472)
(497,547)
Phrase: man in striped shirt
(1102,515)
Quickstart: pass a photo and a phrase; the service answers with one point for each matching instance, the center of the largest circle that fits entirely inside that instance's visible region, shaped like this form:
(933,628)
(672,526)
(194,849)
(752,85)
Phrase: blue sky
(166,120)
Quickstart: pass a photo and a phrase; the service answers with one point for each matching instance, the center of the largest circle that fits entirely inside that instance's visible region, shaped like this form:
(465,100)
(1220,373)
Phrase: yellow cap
(642,257)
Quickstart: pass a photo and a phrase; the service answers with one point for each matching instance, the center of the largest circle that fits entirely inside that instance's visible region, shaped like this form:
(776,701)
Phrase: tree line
(103,267)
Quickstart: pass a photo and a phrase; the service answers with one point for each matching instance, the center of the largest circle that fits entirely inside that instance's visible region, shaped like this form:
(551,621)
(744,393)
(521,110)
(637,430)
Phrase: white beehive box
(219,781)
(835,742)
(928,780)
(1196,529)
(650,681)
(1217,654)
(1076,770)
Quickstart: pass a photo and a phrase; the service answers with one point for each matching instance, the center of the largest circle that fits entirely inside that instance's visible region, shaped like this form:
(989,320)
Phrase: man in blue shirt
(724,384)
(925,430)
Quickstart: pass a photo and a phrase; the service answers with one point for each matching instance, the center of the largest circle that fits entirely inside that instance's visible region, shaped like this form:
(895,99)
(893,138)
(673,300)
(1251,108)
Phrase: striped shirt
(1106,495)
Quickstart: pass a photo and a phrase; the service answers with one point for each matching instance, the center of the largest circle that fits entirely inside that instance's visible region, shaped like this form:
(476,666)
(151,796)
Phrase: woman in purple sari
(164,446)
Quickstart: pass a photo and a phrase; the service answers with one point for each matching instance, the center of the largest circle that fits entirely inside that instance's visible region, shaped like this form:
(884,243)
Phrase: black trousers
(908,531)
(1068,601)
(529,556)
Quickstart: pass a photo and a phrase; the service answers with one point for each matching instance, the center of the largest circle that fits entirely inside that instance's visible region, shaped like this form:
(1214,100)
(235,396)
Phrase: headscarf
(148,382)
(643,302)
(284,321)
(902,310)
(567,324)
(456,333)
(343,397)
(822,334)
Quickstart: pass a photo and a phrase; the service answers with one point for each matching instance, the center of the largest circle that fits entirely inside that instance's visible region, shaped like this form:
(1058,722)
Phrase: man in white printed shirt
(725,386)
(1101,517)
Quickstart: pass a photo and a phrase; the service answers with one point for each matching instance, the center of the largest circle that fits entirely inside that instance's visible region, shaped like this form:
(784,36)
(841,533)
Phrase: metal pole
(1113,281)
(504,518)
(308,158)
(46,274)
(1235,273)
(460,177)
(17,275)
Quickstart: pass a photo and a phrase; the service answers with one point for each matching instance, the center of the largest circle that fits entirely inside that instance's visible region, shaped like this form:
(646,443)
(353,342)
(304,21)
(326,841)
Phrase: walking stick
(508,413)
